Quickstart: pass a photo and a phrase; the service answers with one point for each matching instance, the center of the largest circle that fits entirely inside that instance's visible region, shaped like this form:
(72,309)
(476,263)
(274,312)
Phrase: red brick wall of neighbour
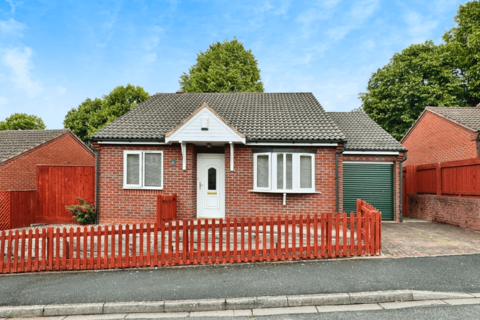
(461,212)
(396,180)
(20,173)
(436,139)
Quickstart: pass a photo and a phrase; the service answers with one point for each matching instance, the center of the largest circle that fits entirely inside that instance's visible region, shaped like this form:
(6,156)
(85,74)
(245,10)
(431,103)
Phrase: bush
(84,213)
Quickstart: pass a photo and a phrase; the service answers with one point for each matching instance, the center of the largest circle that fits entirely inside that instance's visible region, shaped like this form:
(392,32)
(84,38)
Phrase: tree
(463,41)
(421,75)
(93,115)
(22,121)
(224,67)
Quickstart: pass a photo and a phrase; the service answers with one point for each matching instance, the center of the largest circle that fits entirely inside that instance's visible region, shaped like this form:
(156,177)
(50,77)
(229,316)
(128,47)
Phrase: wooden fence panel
(427,181)
(58,187)
(23,208)
(4,210)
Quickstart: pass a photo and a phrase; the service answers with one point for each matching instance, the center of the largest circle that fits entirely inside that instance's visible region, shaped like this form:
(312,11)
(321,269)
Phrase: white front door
(210,185)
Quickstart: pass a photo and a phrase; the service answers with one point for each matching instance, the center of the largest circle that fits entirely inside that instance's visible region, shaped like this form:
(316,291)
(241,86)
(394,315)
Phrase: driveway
(418,238)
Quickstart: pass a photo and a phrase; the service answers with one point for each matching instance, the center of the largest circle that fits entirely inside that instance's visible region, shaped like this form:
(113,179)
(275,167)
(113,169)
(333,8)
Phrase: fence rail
(189,242)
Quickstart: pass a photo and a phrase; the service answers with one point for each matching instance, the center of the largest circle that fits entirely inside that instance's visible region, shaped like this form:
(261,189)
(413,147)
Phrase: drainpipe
(97,180)
(336,176)
(400,184)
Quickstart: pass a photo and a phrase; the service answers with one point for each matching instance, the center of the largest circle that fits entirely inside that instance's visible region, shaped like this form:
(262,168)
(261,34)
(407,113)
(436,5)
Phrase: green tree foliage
(22,121)
(463,41)
(93,115)
(224,67)
(421,75)
(428,75)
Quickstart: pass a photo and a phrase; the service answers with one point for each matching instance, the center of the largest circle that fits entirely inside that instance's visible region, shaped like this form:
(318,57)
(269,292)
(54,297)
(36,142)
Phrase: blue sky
(55,54)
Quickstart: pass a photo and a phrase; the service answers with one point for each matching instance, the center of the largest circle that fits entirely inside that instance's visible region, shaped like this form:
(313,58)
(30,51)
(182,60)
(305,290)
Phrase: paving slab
(271,302)
(287,310)
(412,304)
(194,305)
(380,296)
(10,312)
(240,303)
(476,295)
(459,302)
(157,315)
(72,309)
(221,313)
(97,317)
(134,307)
(38,318)
(349,307)
(431,295)
(242,313)
(318,299)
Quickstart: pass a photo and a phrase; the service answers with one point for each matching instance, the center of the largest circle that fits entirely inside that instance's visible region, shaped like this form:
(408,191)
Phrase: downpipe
(337,183)
(400,174)
(97,180)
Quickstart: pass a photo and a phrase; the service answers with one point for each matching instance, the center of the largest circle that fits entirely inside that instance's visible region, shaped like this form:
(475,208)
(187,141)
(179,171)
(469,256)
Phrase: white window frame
(141,172)
(272,174)
(269,171)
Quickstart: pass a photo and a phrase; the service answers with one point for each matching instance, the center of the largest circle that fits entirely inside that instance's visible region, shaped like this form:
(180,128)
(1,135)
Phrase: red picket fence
(189,242)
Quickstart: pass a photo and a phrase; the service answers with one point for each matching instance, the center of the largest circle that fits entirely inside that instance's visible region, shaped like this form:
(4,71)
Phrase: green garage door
(371,182)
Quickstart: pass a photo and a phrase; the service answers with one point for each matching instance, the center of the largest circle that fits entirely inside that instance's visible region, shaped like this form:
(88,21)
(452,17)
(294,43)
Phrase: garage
(371,182)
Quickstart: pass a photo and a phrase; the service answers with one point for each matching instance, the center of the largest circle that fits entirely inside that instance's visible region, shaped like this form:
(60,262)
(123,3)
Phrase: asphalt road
(453,274)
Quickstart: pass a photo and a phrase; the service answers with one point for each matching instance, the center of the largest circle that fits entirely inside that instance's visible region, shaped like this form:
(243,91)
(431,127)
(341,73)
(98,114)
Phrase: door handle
(200,185)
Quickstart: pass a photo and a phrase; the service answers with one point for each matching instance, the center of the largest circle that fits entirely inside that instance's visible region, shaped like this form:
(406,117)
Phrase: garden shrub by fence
(189,242)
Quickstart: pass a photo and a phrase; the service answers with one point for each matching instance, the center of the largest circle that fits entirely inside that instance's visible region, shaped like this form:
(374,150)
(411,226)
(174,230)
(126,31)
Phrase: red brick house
(243,154)
(22,150)
(443,134)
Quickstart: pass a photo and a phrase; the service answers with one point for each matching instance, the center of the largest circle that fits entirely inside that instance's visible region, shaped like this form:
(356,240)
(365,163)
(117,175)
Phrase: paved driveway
(417,238)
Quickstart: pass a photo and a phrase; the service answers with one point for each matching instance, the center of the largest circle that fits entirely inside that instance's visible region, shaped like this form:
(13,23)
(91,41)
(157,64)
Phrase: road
(452,273)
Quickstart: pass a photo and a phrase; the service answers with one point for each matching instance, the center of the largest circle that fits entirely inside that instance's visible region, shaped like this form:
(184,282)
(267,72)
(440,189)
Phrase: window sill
(141,188)
(278,191)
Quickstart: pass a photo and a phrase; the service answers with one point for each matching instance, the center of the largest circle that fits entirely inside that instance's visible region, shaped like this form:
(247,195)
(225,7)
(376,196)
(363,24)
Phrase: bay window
(284,170)
(143,170)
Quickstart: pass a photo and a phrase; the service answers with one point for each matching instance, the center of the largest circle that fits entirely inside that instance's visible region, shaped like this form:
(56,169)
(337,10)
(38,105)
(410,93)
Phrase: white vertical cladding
(183,145)
(216,130)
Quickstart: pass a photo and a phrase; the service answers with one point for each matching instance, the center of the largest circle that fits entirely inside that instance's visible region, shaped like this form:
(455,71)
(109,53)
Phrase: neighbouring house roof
(259,116)
(363,133)
(466,116)
(16,142)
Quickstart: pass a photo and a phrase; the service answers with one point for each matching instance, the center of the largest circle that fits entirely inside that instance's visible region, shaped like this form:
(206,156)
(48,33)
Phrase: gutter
(400,184)
(97,181)
(336,177)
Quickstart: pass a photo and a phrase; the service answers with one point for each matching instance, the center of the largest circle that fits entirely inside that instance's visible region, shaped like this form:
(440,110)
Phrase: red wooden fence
(58,187)
(189,242)
(166,208)
(17,209)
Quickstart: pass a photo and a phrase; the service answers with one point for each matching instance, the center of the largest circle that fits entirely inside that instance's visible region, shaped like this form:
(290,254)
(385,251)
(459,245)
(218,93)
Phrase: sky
(56,54)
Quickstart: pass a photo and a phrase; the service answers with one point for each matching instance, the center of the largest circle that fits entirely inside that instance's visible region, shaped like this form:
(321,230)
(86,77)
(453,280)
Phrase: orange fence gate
(187,242)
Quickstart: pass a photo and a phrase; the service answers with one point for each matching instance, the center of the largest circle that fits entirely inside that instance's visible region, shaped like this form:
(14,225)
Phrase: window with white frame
(143,169)
(284,171)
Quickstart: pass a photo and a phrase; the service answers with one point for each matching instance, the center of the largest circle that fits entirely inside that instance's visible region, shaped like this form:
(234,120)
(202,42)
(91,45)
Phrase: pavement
(419,238)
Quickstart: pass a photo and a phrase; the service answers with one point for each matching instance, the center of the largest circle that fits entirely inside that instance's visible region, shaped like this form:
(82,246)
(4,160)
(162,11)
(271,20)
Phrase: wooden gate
(166,208)
(58,187)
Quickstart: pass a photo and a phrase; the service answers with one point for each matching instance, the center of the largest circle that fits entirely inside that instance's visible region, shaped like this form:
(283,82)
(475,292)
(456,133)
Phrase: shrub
(84,213)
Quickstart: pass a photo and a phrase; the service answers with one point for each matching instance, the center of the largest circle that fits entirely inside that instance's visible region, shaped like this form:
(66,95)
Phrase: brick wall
(20,173)
(119,205)
(436,139)
(461,212)
(396,180)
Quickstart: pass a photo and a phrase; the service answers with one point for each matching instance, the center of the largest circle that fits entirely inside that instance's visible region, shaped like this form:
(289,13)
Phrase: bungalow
(243,154)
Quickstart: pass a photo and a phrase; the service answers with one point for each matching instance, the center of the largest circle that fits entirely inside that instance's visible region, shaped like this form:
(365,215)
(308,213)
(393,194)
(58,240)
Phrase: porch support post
(231,155)
(184,155)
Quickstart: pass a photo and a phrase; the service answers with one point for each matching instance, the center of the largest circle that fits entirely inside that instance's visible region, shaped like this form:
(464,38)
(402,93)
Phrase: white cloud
(11,27)
(13,4)
(420,27)
(18,60)
(61,90)
(3,101)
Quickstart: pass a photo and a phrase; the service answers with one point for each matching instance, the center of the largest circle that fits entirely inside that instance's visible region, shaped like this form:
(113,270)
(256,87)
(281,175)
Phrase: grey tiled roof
(467,116)
(363,133)
(15,142)
(259,116)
